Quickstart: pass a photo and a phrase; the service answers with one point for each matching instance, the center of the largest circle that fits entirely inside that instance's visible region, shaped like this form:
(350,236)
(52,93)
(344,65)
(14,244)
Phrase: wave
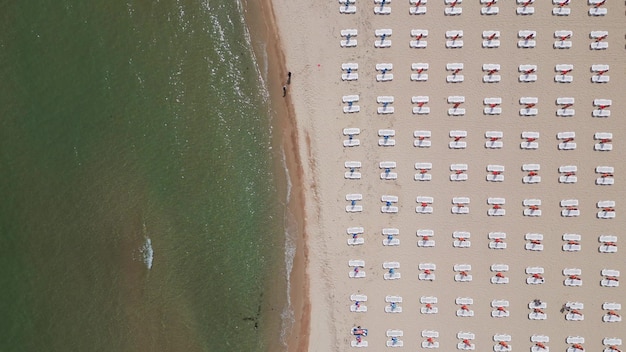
(147,252)
(290,225)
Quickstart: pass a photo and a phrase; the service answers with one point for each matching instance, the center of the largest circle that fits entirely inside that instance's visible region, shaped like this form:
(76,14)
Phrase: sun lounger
(391,265)
(463,300)
(574,317)
(496,212)
(358,297)
(540,338)
(427,266)
(525,10)
(355,230)
(534,270)
(360,308)
(356,241)
(598,11)
(611,306)
(497,245)
(499,280)
(430,333)
(535,315)
(605,204)
(499,267)
(466,347)
(453,11)
(465,335)
(498,201)
(356,262)
(429,310)
(462,267)
(382,10)
(464,313)
(612,341)
(609,283)
(572,271)
(575,339)
(610,272)
(356,274)
(428,300)
(347,9)
(489,10)
(354,343)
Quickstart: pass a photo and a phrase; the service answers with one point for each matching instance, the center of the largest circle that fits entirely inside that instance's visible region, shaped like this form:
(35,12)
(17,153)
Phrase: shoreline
(263,28)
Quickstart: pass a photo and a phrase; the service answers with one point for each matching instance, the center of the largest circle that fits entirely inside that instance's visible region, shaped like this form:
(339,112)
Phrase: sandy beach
(310,34)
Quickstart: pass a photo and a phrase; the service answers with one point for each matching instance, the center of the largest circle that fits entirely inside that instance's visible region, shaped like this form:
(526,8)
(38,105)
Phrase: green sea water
(139,209)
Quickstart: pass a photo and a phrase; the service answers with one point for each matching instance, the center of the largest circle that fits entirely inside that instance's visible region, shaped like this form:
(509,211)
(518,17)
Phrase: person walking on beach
(284,91)
(289,77)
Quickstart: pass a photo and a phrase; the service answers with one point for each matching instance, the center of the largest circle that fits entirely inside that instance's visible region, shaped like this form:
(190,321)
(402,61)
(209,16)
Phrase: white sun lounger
(499,280)
(347,9)
(427,266)
(575,339)
(609,283)
(391,265)
(358,297)
(464,300)
(537,316)
(464,313)
(611,306)
(356,241)
(489,10)
(605,204)
(465,335)
(356,262)
(428,300)
(534,270)
(610,272)
(453,11)
(540,338)
(612,341)
(354,343)
(382,10)
(462,267)
(605,180)
(430,334)
(493,201)
(355,230)
(598,11)
(501,337)
(358,309)
(496,212)
(607,238)
(356,275)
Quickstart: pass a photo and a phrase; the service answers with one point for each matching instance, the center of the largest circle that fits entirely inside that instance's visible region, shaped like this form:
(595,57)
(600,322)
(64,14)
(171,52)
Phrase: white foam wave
(290,226)
(147,252)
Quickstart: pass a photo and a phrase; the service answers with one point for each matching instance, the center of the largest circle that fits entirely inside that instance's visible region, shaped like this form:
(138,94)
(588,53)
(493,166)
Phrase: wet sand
(310,36)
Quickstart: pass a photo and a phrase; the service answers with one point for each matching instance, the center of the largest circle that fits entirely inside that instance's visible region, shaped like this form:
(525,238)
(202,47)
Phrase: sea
(142,197)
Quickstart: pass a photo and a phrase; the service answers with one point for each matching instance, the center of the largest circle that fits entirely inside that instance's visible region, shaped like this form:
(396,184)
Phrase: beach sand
(310,37)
